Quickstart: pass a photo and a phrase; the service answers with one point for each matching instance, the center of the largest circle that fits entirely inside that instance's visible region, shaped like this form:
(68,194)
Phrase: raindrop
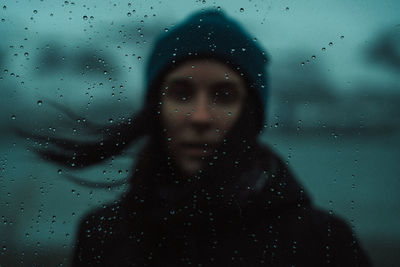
(342,37)
(85,17)
(40,103)
(35,11)
(13,117)
(129,14)
(313,57)
(287,8)
(166,29)
(241,9)
(26,54)
(330,43)
(323,49)
(59,171)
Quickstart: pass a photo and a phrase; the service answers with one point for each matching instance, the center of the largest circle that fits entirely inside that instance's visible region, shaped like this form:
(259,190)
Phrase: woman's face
(201,101)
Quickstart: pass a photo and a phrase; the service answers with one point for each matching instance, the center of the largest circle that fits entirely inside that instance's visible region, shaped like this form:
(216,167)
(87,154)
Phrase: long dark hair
(110,141)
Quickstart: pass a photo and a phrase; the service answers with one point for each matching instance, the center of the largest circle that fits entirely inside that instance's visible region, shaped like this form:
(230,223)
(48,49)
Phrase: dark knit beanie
(211,34)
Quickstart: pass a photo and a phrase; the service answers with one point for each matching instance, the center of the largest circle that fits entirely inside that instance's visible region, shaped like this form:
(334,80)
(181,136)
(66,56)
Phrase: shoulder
(102,219)
(97,232)
(338,239)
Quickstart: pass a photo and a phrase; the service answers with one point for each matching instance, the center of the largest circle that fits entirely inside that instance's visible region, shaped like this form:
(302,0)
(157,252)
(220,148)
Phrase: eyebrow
(179,81)
(188,82)
(224,84)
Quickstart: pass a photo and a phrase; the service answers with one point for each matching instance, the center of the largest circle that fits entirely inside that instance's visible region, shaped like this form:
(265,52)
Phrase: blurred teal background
(333,111)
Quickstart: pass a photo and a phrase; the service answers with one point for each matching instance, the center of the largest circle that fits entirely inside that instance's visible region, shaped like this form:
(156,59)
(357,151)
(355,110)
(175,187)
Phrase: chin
(191,167)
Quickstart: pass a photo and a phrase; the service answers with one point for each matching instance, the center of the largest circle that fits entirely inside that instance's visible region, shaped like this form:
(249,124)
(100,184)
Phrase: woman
(204,191)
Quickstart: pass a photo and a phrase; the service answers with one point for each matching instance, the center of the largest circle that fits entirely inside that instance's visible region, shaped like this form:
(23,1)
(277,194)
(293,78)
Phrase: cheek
(228,116)
(172,119)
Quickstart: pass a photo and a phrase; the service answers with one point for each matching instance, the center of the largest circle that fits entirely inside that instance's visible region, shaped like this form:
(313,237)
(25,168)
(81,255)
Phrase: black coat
(264,218)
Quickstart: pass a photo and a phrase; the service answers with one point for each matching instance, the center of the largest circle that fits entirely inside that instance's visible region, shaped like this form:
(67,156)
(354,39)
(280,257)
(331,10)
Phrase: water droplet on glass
(35,11)
(166,29)
(40,103)
(323,49)
(241,9)
(330,43)
(85,17)
(13,117)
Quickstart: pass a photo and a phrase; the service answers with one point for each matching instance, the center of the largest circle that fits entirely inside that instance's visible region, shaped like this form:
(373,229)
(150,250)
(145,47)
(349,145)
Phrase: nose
(201,115)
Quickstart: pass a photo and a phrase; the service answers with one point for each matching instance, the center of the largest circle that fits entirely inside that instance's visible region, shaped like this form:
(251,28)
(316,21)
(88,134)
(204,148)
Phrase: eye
(225,96)
(180,93)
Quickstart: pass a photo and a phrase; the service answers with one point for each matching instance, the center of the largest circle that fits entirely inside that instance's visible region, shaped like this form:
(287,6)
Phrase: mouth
(198,149)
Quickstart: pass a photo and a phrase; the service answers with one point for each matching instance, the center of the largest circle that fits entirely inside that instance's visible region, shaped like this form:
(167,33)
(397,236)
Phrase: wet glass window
(194,127)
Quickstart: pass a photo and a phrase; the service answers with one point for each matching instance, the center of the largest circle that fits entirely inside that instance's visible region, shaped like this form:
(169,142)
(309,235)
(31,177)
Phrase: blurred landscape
(333,109)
